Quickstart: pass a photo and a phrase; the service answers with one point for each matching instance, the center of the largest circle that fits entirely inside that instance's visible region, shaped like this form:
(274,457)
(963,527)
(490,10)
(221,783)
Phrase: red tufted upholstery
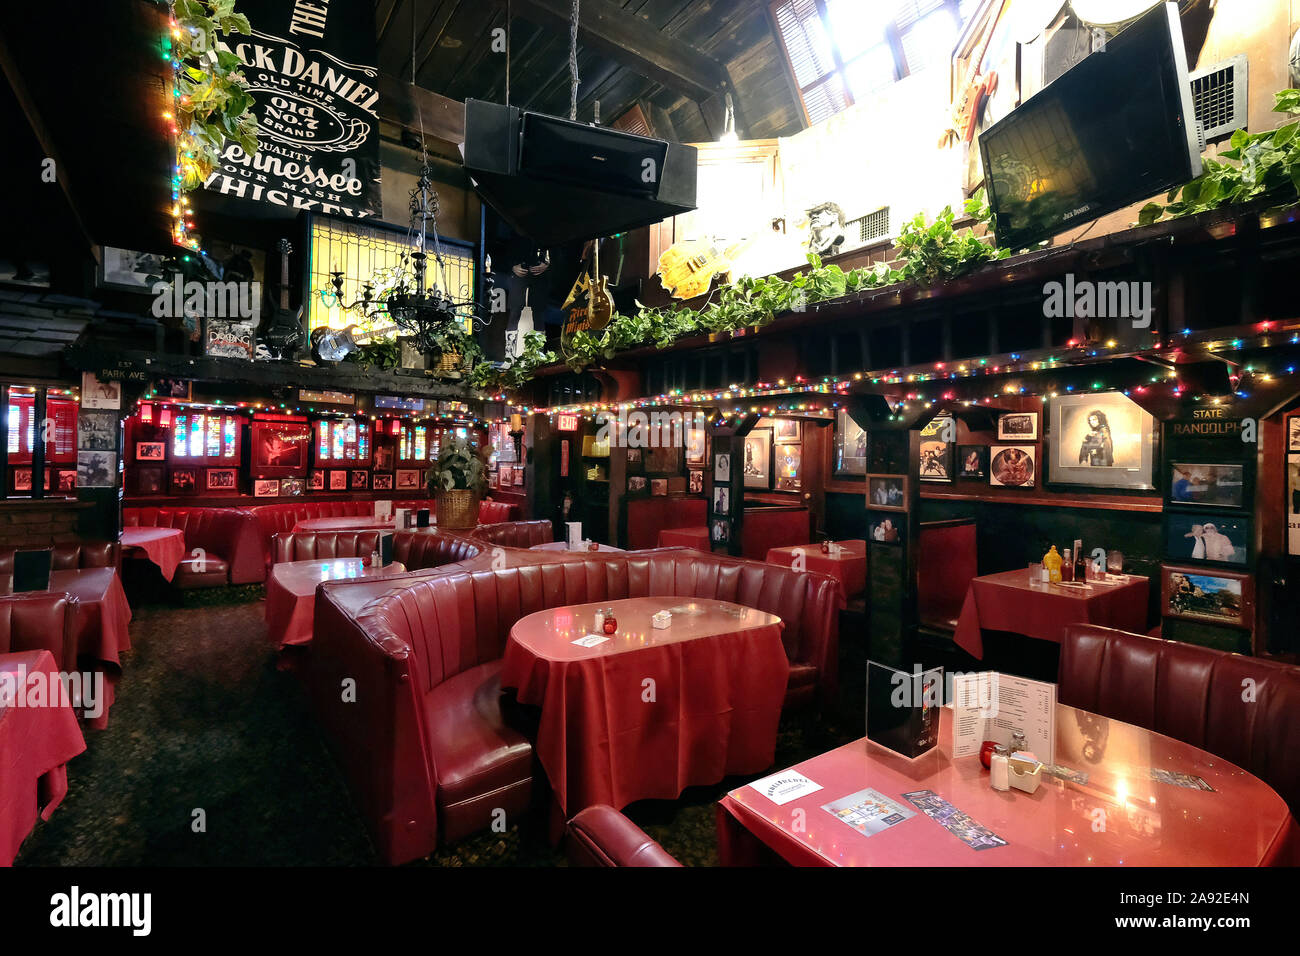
(431,549)
(39,620)
(67,556)
(311,545)
(515,534)
(601,836)
(424,745)
(1192,693)
(491,512)
(228,537)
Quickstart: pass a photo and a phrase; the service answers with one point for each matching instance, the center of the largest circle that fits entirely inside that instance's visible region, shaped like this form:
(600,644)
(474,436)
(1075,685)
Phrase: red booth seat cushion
(945,567)
(515,534)
(646,517)
(491,512)
(231,550)
(1194,694)
(67,556)
(765,528)
(39,621)
(601,836)
(432,645)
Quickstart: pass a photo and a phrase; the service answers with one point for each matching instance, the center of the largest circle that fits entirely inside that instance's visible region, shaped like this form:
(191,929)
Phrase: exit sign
(567,423)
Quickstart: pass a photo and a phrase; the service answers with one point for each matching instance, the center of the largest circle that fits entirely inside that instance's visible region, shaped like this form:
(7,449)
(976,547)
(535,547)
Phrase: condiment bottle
(611,622)
(1052,562)
(999,772)
(599,626)
(1067,567)
(1018,742)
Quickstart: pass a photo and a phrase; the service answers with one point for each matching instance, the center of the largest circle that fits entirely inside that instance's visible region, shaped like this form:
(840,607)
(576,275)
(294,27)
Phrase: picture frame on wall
(721,500)
(126,270)
(1207,484)
(695,481)
(887,492)
(1205,594)
(788,467)
(1013,466)
(697,442)
(972,461)
(316,481)
(98,469)
(151,451)
(97,394)
(408,479)
(885,529)
(185,481)
(360,480)
(1293,504)
(757,461)
(664,460)
(850,446)
(659,487)
(266,488)
(787,431)
(936,449)
(292,487)
(67,480)
(385,482)
(97,431)
(1195,537)
(22,479)
(338,481)
(223,479)
(1018,427)
(722,467)
(720,531)
(1293,433)
(1101,440)
(148,480)
(637,485)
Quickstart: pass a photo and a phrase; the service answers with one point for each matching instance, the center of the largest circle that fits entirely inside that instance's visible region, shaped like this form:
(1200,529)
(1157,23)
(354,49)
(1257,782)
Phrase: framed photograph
(150,451)
(1013,466)
(339,480)
(972,461)
(1102,440)
(659,487)
(937,443)
(850,446)
(293,487)
(695,481)
(789,467)
(385,483)
(385,455)
(1221,597)
(97,431)
(788,431)
(721,500)
(316,481)
(637,485)
(266,488)
(722,467)
(409,478)
(178,388)
(1212,538)
(519,475)
(22,479)
(1219,485)
(491,480)
(185,481)
(634,456)
(97,394)
(887,492)
(280,449)
(223,479)
(1293,433)
(1018,427)
(67,480)
(720,531)
(148,480)
(127,270)
(696,445)
(757,461)
(884,529)
(664,460)
(1293,504)
(360,480)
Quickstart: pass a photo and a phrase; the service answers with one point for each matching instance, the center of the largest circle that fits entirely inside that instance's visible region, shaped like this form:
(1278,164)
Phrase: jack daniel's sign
(310,73)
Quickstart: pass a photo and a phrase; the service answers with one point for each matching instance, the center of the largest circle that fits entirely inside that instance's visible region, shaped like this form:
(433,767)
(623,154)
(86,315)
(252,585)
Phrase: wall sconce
(165,418)
(146,414)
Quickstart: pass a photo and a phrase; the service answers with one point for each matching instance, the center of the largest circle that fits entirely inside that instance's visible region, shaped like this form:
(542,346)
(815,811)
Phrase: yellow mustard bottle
(1052,561)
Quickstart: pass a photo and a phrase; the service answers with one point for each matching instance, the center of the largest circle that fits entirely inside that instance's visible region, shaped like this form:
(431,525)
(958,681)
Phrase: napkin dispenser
(661,619)
(1026,773)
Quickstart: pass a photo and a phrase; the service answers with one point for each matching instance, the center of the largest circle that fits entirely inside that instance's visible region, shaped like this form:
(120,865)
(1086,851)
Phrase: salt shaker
(599,626)
(999,771)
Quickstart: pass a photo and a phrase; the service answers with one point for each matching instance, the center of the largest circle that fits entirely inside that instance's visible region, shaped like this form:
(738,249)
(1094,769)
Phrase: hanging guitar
(589,306)
(975,93)
(283,328)
(687,269)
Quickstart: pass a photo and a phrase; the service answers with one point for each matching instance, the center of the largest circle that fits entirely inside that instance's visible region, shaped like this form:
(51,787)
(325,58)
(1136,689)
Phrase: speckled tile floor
(206,729)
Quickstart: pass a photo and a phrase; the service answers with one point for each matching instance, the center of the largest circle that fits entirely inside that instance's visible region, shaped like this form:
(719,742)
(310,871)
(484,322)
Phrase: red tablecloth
(291,594)
(1241,822)
(100,617)
(165,547)
(606,736)
(564,546)
(36,742)
(345,523)
(1009,602)
(697,538)
(848,566)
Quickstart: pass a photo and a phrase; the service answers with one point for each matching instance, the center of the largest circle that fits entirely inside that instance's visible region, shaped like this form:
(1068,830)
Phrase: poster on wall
(230,339)
(1293,501)
(1102,440)
(312,75)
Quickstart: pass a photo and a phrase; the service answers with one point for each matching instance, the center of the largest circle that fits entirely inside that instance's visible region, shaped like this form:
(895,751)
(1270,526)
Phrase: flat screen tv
(1116,128)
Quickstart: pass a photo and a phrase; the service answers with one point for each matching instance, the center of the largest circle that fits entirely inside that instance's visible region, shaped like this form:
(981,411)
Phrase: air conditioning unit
(1219,95)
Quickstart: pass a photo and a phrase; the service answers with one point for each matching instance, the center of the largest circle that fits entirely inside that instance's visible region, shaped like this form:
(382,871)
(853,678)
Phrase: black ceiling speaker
(558,181)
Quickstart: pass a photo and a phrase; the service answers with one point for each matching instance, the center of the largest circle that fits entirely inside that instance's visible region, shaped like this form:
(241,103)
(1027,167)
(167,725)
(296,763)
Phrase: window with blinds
(842,50)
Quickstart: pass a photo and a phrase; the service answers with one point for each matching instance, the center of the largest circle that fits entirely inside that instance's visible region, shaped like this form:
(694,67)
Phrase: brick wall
(36,524)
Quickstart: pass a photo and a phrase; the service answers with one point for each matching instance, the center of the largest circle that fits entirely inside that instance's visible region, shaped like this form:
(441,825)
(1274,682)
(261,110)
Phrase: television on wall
(1116,128)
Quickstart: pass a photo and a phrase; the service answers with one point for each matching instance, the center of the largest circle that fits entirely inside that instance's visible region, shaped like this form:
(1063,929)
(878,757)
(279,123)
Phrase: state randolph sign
(311,73)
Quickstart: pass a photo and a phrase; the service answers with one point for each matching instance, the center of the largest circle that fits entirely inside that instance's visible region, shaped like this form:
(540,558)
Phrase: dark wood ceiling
(453,56)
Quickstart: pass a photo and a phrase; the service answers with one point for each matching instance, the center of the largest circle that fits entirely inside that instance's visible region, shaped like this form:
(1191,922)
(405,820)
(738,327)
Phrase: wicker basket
(449,365)
(458,508)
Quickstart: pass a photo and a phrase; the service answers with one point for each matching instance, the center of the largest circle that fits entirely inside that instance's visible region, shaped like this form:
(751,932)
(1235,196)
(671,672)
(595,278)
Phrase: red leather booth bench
(646,517)
(1193,694)
(601,836)
(415,550)
(772,526)
(945,566)
(228,537)
(426,747)
(39,621)
(515,534)
(66,556)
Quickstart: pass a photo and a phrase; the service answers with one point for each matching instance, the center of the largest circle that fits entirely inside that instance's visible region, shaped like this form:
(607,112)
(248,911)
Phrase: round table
(291,593)
(649,712)
(165,547)
(564,546)
(345,523)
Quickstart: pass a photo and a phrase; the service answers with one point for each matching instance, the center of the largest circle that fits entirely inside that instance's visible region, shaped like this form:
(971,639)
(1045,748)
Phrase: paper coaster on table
(590,640)
(783,787)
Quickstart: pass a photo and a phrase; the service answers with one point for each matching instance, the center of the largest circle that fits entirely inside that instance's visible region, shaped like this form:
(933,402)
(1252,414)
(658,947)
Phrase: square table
(1241,822)
(697,538)
(1011,601)
(291,593)
(848,564)
(165,547)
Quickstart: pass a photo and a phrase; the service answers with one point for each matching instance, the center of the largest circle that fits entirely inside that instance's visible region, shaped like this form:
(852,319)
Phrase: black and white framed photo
(339,480)
(127,270)
(223,479)
(1293,504)
(695,481)
(1101,440)
(185,481)
(638,484)
(97,394)
(292,487)
(409,478)
(1209,484)
(887,492)
(1192,536)
(720,531)
(96,469)
(360,480)
(721,500)
(1018,427)
(1013,466)
(1293,433)
(722,467)
(97,430)
(756,466)
(850,446)
(787,431)
(316,481)
(938,438)
(383,483)
(972,461)
(151,451)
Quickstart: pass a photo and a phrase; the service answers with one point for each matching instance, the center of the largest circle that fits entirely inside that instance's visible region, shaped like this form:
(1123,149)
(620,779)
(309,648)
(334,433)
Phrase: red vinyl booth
(39,621)
(67,556)
(646,517)
(766,527)
(426,749)
(415,550)
(601,836)
(1193,694)
(232,550)
(945,566)
(515,534)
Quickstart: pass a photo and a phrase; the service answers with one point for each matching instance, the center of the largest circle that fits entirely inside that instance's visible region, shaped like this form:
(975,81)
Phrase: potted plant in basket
(457,481)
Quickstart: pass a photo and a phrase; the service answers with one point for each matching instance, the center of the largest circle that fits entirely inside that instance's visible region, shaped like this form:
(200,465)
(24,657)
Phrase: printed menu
(993,706)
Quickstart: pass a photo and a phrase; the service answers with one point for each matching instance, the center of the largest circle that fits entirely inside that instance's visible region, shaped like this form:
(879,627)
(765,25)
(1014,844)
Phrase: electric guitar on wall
(977,89)
(283,332)
(687,269)
(589,306)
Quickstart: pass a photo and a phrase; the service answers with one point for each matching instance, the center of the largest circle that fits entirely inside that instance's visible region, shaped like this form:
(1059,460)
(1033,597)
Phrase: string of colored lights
(181,213)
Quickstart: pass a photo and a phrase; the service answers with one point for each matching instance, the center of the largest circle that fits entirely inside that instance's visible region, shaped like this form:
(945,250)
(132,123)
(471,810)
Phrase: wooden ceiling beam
(633,42)
(410,106)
